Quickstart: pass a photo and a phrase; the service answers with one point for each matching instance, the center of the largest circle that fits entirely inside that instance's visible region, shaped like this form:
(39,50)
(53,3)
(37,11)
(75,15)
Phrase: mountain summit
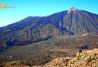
(69,22)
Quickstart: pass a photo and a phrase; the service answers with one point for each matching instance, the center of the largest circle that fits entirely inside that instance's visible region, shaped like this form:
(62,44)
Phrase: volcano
(69,22)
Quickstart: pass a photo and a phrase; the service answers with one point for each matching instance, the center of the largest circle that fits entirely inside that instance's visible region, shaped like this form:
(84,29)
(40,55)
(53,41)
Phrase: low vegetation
(58,52)
(86,58)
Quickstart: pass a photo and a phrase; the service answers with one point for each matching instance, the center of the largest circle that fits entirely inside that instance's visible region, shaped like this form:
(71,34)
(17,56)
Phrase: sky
(17,10)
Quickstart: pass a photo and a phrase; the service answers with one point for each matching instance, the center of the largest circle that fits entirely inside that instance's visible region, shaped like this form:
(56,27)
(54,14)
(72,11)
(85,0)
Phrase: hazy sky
(24,8)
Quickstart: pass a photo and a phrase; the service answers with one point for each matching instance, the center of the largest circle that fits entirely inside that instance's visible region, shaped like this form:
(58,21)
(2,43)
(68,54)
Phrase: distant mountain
(69,22)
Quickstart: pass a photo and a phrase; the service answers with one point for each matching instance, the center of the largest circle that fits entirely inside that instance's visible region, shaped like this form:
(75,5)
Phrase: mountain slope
(69,22)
